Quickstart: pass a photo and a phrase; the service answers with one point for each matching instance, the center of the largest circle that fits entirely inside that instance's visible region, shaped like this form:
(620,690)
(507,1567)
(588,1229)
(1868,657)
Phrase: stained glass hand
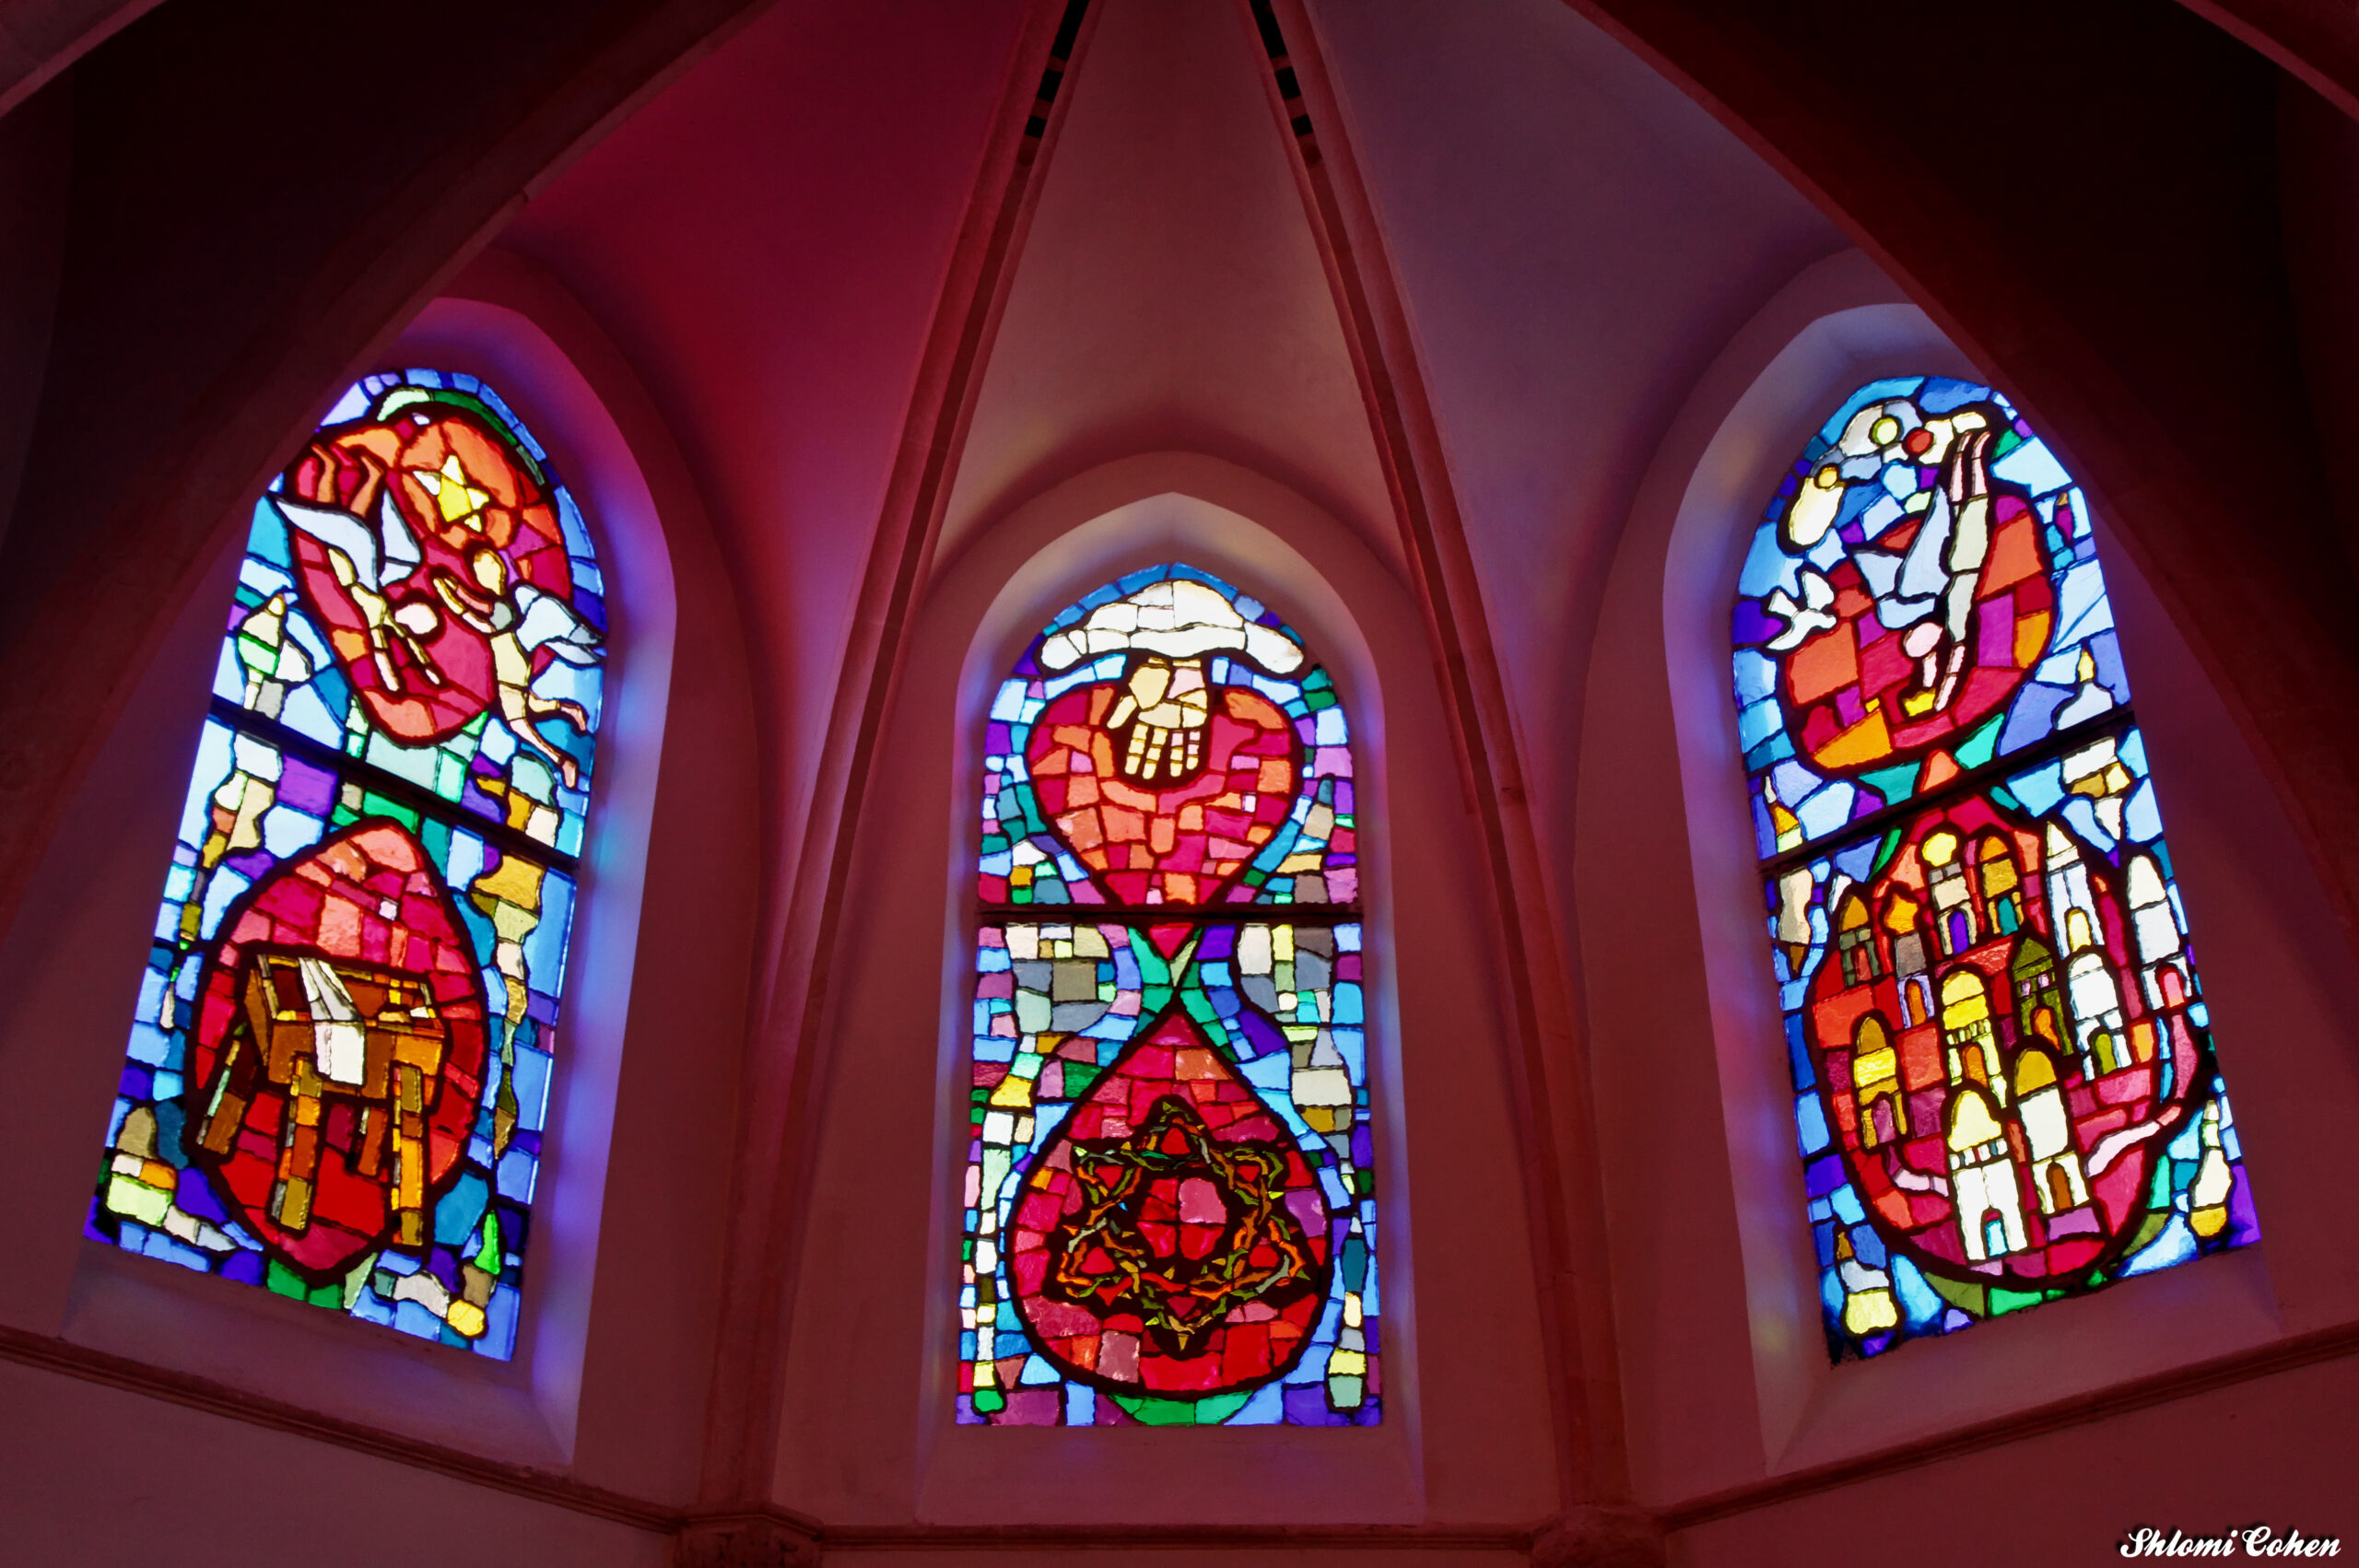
(1166,706)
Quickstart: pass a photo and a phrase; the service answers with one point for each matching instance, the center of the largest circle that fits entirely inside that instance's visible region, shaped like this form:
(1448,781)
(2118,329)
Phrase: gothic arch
(1655,686)
(1437,1082)
(505,325)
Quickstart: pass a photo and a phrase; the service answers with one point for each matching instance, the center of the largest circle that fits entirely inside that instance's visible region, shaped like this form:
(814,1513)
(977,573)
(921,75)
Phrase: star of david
(459,500)
(1179,1228)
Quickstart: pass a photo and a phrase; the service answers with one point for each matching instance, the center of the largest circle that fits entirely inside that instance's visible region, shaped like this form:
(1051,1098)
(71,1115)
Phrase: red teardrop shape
(1156,831)
(338,1057)
(1172,1240)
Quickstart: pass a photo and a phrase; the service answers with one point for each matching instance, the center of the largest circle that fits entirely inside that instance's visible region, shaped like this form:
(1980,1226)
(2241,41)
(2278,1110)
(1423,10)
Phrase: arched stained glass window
(339,1068)
(2002,1065)
(1169,1205)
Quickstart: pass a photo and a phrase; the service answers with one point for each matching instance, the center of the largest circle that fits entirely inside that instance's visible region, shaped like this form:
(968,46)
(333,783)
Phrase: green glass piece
(354,1282)
(1895,783)
(374,804)
(1980,746)
(1210,1411)
(1971,1299)
(283,1282)
(487,1255)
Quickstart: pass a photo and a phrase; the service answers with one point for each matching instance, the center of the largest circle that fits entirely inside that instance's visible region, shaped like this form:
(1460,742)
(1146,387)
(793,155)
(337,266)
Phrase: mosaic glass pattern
(339,1065)
(2005,1084)
(1169,1200)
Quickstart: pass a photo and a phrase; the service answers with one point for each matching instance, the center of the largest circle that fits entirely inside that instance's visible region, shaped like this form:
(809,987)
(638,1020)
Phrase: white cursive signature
(2254,1540)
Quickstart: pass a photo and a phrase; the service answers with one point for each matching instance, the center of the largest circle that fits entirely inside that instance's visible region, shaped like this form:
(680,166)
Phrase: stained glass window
(338,1074)
(1171,1212)
(2004,1082)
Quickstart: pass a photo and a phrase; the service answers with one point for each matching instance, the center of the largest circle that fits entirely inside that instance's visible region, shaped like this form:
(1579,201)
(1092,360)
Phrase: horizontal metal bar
(1998,769)
(392,785)
(1171,915)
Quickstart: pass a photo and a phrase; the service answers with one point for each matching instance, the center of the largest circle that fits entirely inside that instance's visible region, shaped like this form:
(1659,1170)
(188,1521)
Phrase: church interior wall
(869,1441)
(714,301)
(1728,1384)
(1563,302)
(662,951)
(777,311)
(36,171)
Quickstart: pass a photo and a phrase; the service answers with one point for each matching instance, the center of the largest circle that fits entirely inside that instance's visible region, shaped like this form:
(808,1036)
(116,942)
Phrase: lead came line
(1968,781)
(392,785)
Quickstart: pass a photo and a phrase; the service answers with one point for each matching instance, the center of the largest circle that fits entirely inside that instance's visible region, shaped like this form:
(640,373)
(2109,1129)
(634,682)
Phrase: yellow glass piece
(1864,743)
(136,1200)
(2031,639)
(456,499)
(1869,1312)
(1964,1001)
(1999,874)
(514,881)
(1971,1124)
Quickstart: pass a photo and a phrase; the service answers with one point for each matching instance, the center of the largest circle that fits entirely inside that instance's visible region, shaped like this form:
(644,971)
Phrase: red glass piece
(1172,1240)
(337,1058)
(1170,937)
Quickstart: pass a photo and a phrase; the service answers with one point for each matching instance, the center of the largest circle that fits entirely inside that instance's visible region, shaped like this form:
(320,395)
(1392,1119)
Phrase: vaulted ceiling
(1575,237)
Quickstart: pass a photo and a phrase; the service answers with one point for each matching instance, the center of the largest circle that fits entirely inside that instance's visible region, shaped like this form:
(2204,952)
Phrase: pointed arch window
(340,1060)
(1169,1202)
(1937,729)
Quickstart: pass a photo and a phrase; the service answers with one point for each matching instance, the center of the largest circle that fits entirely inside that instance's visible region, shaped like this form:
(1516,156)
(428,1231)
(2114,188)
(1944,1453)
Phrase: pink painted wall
(868,1436)
(1625,321)
(1726,1375)
(622,1284)
(64,1443)
(765,242)
(1170,296)
(1573,240)
(36,171)
(2274,1452)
